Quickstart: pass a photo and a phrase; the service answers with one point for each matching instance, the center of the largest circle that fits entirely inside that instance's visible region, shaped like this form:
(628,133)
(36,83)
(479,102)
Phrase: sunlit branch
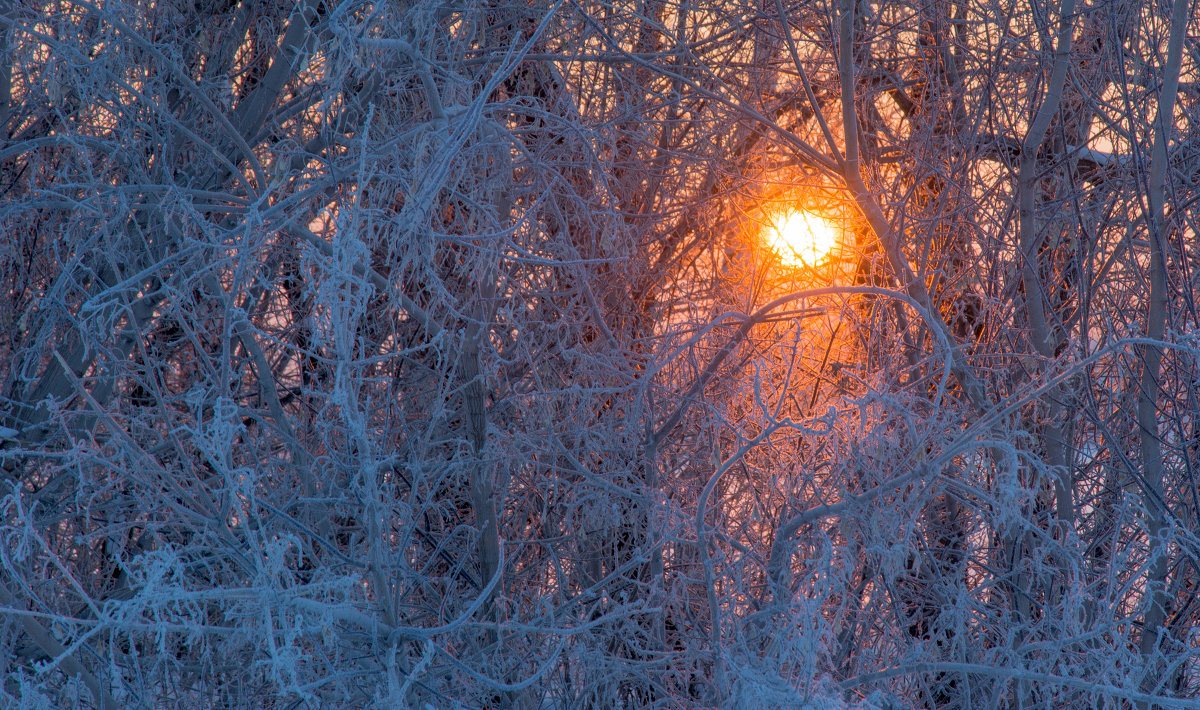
(875,216)
(690,396)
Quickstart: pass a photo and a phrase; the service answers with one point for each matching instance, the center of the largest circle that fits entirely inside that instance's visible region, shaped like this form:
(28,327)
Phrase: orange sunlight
(800,238)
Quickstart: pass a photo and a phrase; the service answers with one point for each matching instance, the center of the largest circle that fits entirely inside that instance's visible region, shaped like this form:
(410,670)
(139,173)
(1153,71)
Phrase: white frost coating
(752,689)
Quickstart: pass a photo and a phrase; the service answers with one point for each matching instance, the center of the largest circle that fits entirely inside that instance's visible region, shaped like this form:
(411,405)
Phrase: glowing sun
(800,238)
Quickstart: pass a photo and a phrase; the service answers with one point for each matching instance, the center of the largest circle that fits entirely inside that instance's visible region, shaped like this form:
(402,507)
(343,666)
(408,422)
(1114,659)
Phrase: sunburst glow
(800,238)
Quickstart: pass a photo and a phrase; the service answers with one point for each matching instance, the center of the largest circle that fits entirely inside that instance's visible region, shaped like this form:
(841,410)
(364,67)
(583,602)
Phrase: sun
(800,238)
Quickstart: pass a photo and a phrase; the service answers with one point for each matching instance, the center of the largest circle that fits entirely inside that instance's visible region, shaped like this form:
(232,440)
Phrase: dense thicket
(428,355)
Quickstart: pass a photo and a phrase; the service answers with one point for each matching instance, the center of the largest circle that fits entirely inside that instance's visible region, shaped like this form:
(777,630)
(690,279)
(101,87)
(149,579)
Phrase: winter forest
(825,354)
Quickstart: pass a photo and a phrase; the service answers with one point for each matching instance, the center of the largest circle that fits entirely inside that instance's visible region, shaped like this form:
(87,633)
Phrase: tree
(431,355)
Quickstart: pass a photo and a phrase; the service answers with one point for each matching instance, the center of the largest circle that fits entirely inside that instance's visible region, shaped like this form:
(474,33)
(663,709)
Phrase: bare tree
(432,355)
